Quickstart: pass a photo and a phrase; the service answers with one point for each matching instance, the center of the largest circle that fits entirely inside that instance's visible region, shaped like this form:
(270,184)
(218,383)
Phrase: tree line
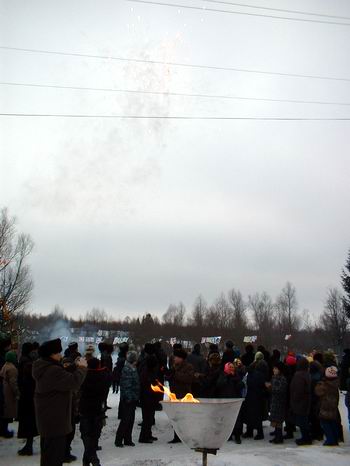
(231,315)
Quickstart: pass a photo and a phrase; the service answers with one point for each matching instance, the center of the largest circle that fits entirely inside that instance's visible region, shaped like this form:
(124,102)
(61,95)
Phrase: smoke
(105,167)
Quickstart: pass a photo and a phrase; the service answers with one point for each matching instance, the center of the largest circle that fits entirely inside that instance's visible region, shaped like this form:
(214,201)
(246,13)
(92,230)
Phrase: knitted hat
(131,357)
(228,368)
(331,372)
(291,360)
(73,345)
(180,353)
(50,347)
(11,356)
(258,356)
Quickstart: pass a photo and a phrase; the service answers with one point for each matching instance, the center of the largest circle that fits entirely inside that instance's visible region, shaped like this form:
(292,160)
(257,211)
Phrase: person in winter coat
(199,366)
(344,369)
(180,379)
(278,407)
(106,350)
(117,370)
(229,384)
(5,346)
(91,410)
(129,396)
(148,370)
(229,355)
(53,400)
(290,363)
(300,400)
(255,402)
(328,392)
(9,375)
(72,352)
(248,357)
(210,377)
(27,428)
(316,375)
(69,365)
(347,399)
(162,369)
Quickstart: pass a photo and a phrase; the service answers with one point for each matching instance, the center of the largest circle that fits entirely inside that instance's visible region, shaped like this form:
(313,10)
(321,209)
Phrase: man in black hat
(53,400)
(180,379)
(72,351)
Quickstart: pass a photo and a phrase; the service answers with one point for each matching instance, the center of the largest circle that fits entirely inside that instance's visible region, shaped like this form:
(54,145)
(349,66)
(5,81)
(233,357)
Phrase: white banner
(215,340)
(119,340)
(251,339)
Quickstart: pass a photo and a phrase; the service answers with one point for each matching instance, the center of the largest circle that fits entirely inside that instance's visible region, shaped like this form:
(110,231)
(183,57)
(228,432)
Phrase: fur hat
(331,372)
(73,345)
(50,347)
(180,353)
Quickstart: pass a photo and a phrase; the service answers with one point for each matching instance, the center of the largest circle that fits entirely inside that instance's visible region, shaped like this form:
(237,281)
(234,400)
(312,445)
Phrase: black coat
(228,386)
(248,358)
(198,362)
(344,370)
(279,390)
(208,383)
(53,396)
(255,403)
(26,411)
(148,377)
(300,393)
(93,393)
(229,355)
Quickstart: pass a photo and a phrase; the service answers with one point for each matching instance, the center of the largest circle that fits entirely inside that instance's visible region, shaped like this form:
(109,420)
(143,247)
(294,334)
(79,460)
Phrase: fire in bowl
(205,425)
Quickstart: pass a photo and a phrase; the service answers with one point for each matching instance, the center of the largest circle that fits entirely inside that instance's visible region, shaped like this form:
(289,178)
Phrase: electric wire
(169,117)
(172,94)
(217,10)
(179,64)
(282,10)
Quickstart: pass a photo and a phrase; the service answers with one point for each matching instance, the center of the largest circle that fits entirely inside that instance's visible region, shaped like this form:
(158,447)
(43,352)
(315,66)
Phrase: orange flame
(172,397)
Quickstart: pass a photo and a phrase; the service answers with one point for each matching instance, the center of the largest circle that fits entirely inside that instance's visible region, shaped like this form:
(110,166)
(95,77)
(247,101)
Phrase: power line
(169,63)
(217,10)
(173,94)
(166,117)
(308,13)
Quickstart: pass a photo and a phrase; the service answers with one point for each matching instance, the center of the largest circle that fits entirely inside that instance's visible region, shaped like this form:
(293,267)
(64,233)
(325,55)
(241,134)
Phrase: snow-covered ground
(250,453)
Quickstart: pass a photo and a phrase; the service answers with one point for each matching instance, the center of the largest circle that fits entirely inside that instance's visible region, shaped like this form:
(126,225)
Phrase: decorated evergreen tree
(345,278)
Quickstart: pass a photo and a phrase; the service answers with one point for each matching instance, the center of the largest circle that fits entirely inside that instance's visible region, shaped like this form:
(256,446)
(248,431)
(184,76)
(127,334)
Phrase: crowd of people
(50,393)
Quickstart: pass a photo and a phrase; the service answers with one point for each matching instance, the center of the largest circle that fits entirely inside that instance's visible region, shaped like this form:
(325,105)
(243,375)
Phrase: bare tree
(175,315)
(239,319)
(263,314)
(197,317)
(334,319)
(222,312)
(15,281)
(288,320)
(96,316)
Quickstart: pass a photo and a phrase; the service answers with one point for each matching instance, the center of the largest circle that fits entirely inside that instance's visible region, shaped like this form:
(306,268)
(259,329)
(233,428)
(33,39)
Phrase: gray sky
(130,215)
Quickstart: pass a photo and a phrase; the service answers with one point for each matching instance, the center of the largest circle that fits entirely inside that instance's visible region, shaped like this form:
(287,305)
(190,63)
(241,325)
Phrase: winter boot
(278,438)
(26,451)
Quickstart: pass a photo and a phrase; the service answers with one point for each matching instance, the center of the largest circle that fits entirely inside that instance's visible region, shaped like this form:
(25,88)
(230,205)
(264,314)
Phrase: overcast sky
(131,215)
